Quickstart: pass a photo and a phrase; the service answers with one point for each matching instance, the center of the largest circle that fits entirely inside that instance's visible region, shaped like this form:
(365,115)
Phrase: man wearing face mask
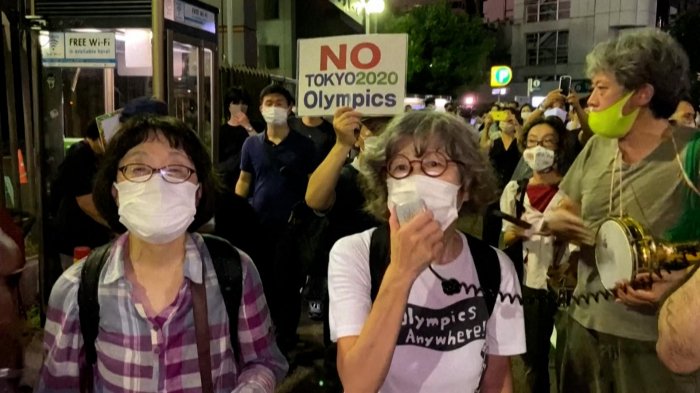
(633,166)
(233,134)
(279,162)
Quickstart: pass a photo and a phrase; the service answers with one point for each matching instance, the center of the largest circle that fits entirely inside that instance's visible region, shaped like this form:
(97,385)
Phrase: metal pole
(229,33)
(158,27)
(12,113)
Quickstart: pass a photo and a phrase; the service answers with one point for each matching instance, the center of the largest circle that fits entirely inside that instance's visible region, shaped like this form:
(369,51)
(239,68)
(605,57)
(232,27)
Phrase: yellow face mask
(610,122)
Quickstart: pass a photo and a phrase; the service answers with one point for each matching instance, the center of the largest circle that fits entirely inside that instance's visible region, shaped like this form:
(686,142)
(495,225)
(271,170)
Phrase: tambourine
(624,249)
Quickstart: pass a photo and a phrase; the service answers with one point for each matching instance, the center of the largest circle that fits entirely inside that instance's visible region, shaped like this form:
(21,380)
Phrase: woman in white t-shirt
(544,146)
(414,337)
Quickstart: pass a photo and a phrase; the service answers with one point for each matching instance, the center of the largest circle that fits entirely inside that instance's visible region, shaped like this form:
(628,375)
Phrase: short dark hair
(560,128)
(276,88)
(429,101)
(143,106)
(526,106)
(236,95)
(137,131)
(92,132)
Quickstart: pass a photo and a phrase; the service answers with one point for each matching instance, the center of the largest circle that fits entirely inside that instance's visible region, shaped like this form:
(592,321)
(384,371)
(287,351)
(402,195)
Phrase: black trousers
(539,306)
(282,281)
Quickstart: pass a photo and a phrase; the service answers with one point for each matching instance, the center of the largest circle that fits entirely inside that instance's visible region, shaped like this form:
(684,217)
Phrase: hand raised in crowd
(654,287)
(488,119)
(573,99)
(553,97)
(243,120)
(347,124)
(416,244)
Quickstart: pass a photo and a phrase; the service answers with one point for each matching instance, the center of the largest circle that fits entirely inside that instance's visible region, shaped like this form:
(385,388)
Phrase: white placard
(81,50)
(366,72)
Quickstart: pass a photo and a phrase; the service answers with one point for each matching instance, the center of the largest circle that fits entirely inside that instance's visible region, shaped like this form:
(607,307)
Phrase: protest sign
(366,72)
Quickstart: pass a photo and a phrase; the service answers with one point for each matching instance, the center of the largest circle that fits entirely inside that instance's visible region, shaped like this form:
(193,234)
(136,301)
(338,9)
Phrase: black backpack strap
(488,269)
(520,197)
(379,250)
(488,266)
(89,310)
(229,273)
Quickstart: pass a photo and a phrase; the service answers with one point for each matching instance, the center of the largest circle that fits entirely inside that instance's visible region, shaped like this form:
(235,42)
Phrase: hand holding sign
(347,124)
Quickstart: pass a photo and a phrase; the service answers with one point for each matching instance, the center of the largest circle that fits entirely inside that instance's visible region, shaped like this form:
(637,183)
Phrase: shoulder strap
(520,197)
(229,273)
(488,269)
(488,266)
(379,250)
(201,331)
(89,310)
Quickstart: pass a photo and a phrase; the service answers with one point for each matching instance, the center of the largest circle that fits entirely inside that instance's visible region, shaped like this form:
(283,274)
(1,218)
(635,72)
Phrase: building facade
(552,37)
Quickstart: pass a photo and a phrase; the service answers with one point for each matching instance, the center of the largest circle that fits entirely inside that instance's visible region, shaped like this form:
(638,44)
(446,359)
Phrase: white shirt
(443,339)
(538,250)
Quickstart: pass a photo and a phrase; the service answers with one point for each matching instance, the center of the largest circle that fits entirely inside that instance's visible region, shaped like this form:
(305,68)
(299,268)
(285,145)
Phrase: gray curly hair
(646,56)
(422,128)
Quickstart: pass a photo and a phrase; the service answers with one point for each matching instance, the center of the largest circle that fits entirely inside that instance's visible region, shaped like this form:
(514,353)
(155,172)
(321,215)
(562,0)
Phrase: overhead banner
(78,50)
(366,72)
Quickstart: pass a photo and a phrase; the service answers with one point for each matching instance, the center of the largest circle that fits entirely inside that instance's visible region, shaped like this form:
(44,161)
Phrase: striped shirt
(138,351)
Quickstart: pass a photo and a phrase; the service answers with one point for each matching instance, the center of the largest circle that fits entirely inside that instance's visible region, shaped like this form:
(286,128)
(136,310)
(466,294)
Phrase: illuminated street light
(369,7)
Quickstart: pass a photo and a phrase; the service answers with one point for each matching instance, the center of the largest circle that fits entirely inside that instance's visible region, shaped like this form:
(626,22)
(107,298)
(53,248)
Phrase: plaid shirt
(138,351)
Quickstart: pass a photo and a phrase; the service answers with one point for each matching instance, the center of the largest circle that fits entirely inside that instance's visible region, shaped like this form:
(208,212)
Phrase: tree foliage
(686,30)
(447,51)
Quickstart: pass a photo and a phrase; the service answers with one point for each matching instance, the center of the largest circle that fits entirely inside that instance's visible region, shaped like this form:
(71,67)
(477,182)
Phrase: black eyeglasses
(433,164)
(139,173)
(549,143)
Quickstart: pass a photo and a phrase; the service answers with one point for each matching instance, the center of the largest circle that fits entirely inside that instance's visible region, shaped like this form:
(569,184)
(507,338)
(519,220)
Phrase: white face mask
(275,115)
(572,126)
(557,112)
(539,158)
(525,115)
(439,196)
(157,211)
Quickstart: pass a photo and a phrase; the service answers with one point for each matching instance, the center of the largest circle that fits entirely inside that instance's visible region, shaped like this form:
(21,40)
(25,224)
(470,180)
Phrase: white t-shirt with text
(443,339)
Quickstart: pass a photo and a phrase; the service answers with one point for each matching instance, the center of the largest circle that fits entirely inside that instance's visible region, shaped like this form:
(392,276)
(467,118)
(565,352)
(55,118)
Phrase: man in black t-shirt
(233,134)
(319,130)
(77,221)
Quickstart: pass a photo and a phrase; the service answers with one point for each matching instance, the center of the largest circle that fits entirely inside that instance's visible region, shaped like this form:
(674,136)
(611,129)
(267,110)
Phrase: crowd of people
(365,211)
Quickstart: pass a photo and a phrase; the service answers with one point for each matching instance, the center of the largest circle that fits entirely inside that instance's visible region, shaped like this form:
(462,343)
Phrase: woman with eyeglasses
(403,333)
(528,200)
(156,186)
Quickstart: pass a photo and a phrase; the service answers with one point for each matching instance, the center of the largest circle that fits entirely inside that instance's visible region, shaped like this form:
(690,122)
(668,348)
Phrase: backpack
(488,266)
(229,272)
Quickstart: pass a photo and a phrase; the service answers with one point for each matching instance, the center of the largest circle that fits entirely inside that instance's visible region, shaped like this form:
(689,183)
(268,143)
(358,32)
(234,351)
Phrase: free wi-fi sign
(52,45)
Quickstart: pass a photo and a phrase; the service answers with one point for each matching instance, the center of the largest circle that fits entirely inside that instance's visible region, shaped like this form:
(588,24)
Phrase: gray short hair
(647,56)
(459,143)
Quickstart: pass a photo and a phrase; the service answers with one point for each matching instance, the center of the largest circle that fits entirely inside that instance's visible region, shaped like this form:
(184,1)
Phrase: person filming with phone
(404,305)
